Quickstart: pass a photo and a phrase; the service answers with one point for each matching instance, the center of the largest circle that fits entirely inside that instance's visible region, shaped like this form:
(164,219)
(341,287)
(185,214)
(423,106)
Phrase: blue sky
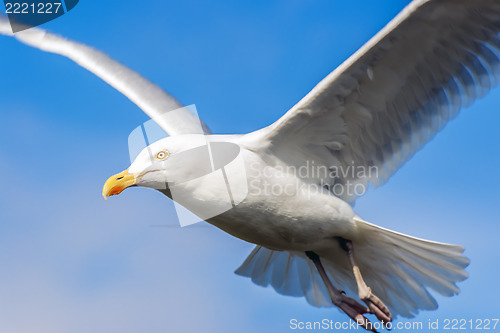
(72,262)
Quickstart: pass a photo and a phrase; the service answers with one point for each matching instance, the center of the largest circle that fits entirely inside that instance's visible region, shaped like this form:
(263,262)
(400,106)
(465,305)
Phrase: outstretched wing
(371,114)
(153,100)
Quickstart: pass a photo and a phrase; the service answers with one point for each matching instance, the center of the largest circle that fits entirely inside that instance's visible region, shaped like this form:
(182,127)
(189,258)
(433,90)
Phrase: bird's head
(168,161)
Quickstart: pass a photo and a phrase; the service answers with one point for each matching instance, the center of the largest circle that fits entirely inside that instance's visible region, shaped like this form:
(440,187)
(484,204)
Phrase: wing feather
(395,93)
(153,100)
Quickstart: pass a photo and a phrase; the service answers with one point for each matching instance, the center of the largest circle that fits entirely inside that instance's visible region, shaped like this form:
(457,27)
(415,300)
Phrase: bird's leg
(376,306)
(347,304)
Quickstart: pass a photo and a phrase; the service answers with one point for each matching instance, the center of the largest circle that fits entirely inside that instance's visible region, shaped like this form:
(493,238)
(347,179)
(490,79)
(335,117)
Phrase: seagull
(353,130)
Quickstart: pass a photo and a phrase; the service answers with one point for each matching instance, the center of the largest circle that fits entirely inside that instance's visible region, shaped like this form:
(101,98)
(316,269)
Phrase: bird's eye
(162,155)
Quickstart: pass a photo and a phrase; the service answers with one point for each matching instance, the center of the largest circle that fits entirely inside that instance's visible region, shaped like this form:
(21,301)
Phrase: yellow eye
(162,155)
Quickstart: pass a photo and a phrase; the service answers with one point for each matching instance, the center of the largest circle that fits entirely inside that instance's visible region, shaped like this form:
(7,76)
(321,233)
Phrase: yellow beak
(117,183)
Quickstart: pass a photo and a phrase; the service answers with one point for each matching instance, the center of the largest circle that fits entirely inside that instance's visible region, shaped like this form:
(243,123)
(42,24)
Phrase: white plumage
(374,111)
(399,269)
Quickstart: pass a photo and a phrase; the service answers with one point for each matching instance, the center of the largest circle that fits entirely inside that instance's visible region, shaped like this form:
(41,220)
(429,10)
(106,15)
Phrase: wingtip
(5,28)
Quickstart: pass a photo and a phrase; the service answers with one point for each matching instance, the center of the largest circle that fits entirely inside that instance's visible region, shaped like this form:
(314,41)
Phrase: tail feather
(399,268)
(414,264)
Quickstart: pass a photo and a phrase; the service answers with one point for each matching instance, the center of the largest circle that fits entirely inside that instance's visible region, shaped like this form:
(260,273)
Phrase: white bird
(370,114)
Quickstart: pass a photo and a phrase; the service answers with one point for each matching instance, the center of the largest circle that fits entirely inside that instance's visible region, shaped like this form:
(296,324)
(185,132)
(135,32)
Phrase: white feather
(153,100)
(400,269)
(398,90)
